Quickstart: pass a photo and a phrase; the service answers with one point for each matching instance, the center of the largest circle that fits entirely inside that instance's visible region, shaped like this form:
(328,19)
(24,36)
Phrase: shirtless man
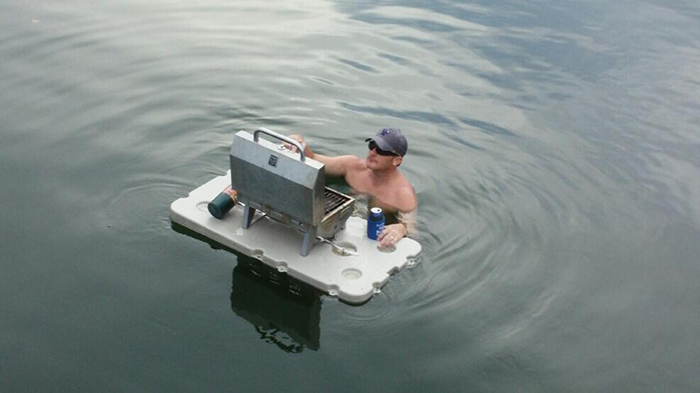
(377,175)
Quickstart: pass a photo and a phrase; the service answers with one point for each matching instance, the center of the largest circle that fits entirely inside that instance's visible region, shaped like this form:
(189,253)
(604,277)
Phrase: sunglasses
(373,145)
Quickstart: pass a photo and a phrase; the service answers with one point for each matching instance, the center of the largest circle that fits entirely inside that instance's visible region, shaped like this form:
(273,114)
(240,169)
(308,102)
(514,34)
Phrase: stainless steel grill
(286,186)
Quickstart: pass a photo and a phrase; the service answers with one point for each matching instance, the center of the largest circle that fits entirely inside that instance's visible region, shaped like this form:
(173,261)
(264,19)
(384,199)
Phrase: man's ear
(397,160)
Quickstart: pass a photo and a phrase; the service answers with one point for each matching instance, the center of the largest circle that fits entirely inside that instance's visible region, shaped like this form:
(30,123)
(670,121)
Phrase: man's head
(392,140)
(386,149)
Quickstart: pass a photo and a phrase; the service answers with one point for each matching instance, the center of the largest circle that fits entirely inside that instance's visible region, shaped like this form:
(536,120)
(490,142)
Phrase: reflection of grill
(286,186)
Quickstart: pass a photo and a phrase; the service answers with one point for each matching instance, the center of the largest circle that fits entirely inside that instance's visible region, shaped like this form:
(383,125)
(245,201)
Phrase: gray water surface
(553,146)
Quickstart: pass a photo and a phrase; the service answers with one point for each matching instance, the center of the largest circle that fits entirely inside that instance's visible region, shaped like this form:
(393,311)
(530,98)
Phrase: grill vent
(332,200)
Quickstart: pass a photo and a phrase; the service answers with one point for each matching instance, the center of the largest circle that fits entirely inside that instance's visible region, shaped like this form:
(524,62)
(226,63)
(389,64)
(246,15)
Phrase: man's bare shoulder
(406,199)
(355,162)
(352,164)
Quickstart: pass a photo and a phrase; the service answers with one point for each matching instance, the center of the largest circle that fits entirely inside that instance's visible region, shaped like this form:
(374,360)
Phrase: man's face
(379,162)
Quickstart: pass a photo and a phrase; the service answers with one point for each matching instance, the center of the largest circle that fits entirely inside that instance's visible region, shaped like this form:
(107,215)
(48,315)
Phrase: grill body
(286,186)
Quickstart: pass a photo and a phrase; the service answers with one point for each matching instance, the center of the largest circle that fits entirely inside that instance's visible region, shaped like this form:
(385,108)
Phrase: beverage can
(375,223)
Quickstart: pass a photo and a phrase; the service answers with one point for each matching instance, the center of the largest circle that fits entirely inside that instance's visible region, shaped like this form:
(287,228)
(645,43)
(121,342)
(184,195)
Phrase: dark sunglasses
(373,145)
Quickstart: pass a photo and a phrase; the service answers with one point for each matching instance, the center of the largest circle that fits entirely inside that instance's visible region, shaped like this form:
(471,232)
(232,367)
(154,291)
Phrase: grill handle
(282,138)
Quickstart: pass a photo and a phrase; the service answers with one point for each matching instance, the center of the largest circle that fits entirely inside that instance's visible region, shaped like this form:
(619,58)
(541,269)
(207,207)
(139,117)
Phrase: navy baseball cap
(391,139)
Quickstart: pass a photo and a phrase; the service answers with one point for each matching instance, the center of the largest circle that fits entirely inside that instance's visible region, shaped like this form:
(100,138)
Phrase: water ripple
(553,149)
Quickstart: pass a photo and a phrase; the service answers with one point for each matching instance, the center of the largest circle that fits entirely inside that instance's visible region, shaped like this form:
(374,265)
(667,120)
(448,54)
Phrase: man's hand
(391,234)
(300,139)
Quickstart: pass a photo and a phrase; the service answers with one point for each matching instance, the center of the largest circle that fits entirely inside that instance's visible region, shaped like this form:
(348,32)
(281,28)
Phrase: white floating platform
(353,278)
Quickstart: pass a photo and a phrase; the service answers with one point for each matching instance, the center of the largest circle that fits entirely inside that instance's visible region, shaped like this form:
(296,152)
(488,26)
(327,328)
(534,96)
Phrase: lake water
(553,146)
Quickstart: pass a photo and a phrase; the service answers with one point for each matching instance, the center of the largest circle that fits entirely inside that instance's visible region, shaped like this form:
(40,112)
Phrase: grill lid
(277,179)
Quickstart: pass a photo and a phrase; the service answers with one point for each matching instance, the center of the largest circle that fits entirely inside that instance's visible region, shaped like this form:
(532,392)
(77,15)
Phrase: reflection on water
(284,311)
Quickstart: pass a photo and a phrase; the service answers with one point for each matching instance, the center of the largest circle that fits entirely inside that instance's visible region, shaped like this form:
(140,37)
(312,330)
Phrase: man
(378,175)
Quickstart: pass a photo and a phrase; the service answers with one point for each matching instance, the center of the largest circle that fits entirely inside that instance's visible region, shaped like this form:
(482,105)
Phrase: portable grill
(287,186)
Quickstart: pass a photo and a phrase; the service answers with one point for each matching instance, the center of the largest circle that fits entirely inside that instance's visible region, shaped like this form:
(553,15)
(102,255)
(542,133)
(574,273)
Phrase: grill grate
(332,200)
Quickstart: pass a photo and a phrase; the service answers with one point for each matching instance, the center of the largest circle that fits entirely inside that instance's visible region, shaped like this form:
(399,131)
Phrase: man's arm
(407,217)
(335,166)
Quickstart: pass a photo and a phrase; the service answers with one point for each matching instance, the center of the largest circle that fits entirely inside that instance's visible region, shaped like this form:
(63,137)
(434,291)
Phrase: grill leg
(248,214)
(307,242)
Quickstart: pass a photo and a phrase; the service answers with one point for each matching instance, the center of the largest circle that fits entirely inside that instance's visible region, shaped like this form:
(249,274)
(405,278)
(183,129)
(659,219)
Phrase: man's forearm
(408,221)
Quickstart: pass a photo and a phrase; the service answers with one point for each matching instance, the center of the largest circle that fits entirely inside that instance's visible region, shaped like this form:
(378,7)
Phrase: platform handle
(282,138)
